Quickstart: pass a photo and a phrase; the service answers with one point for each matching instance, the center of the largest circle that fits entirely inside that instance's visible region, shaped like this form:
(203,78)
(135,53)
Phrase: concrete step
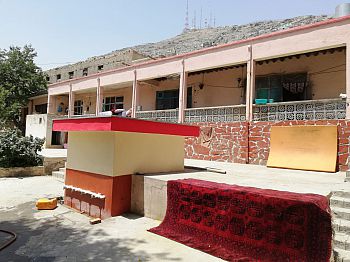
(341,255)
(343,194)
(342,213)
(58,174)
(341,225)
(341,241)
(62,169)
(337,201)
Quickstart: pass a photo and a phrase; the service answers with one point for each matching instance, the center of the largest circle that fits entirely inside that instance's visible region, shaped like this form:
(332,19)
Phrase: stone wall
(219,142)
(22,171)
(93,65)
(244,142)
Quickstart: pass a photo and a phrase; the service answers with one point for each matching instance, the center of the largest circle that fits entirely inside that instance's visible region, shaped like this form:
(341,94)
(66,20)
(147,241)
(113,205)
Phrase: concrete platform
(53,159)
(54,153)
(149,191)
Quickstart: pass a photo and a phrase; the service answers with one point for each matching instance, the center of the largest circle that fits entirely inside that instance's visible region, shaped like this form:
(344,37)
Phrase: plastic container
(260,101)
(45,203)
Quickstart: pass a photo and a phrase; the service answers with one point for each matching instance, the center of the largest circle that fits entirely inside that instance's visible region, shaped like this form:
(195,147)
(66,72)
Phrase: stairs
(340,205)
(60,174)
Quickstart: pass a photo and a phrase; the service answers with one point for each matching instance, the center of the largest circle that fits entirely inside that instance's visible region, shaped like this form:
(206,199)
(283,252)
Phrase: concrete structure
(95,65)
(104,152)
(22,171)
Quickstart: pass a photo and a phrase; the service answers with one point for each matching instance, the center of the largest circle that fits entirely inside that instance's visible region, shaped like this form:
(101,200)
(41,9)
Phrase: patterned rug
(247,224)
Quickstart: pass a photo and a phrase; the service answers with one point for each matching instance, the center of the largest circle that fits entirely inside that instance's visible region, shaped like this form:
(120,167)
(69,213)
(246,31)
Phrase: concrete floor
(269,178)
(65,235)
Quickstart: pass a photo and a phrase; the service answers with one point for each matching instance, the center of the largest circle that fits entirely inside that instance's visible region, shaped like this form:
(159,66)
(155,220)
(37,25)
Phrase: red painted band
(123,124)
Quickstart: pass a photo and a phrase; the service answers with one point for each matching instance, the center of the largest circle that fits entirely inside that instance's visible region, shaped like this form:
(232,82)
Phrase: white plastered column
(182,93)
(99,95)
(250,94)
(71,102)
(51,104)
(135,95)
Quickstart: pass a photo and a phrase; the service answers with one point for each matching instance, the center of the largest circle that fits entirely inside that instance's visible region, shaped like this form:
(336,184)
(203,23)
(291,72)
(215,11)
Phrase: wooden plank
(303,147)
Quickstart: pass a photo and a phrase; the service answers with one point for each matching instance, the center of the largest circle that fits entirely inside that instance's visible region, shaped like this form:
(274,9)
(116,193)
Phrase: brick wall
(229,141)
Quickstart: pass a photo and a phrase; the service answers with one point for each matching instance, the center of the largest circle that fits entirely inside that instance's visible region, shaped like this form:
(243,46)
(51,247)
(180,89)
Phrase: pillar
(71,102)
(182,93)
(135,95)
(30,107)
(51,104)
(250,94)
(347,68)
(98,97)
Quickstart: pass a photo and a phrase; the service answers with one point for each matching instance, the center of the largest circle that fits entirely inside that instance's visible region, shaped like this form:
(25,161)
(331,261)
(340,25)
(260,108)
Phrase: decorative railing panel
(326,109)
(301,110)
(216,114)
(171,115)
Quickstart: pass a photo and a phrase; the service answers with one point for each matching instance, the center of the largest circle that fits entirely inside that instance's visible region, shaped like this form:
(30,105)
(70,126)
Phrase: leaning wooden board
(303,147)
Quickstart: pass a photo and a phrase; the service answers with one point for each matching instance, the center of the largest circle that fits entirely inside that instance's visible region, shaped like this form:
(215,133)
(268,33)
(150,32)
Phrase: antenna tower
(187,26)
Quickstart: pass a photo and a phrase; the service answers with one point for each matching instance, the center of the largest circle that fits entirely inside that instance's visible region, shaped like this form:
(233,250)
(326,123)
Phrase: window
(189,97)
(56,138)
(113,102)
(168,99)
(41,109)
(100,67)
(85,71)
(78,107)
(58,77)
(282,88)
(48,79)
(71,74)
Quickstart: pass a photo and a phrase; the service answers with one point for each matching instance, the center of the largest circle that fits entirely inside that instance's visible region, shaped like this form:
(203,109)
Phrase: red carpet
(247,224)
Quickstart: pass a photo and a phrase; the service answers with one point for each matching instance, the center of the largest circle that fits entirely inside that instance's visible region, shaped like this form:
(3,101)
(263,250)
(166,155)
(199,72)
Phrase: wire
(324,70)
(10,241)
(328,72)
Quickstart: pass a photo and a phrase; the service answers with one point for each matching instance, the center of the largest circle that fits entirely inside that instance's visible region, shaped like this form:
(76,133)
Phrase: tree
(20,79)
(19,151)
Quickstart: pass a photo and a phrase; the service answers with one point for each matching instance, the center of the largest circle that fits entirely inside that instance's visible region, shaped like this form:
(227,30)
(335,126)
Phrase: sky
(67,31)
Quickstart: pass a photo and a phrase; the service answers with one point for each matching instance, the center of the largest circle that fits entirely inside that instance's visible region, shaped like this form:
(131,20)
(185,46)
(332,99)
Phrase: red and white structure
(104,153)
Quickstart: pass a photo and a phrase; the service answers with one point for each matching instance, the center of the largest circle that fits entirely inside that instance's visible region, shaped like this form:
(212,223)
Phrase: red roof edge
(123,124)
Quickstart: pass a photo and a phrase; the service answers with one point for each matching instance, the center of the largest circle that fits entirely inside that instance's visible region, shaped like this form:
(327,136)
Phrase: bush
(19,151)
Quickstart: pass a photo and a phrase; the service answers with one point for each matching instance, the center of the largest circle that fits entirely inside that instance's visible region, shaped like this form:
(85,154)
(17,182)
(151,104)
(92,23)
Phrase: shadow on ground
(58,239)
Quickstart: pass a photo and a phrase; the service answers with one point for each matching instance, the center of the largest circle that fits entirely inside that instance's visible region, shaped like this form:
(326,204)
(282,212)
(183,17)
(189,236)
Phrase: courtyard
(66,235)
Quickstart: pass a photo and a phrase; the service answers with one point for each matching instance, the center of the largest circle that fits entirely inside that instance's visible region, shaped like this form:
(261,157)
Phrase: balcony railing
(301,110)
(170,115)
(325,109)
(216,114)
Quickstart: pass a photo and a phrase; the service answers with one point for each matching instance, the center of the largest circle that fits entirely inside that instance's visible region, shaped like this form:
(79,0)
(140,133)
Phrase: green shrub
(19,151)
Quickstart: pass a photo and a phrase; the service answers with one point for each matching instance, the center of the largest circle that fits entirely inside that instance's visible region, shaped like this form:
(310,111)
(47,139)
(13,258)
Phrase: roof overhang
(122,124)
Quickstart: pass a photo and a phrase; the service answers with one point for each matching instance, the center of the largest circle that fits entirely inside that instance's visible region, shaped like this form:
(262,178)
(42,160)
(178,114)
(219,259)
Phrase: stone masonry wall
(229,142)
(219,142)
